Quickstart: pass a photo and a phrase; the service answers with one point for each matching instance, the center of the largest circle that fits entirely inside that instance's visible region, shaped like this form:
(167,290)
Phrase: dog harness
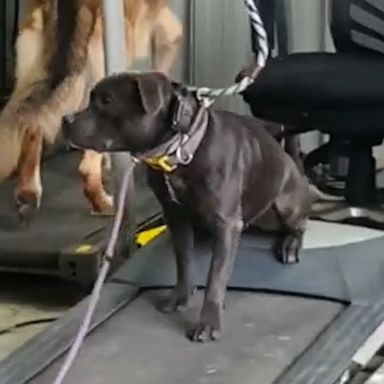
(181,147)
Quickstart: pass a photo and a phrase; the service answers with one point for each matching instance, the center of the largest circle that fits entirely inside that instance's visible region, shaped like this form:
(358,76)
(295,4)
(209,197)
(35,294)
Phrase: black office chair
(340,94)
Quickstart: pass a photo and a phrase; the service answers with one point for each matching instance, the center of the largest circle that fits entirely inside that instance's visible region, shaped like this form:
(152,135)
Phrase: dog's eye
(105,99)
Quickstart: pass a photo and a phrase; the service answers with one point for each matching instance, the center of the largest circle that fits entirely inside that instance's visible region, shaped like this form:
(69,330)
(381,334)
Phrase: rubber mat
(64,218)
(352,273)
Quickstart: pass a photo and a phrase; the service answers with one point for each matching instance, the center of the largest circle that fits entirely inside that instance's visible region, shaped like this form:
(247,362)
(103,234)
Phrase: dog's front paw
(177,301)
(288,251)
(203,333)
(209,327)
(28,204)
(102,206)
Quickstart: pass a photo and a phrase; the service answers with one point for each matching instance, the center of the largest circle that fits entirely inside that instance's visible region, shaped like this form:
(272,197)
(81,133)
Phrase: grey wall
(222,45)
(308,21)
(309,31)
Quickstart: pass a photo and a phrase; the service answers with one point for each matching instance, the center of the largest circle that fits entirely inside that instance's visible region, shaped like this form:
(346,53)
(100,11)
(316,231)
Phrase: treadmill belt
(64,218)
(263,335)
(306,330)
(352,273)
(63,221)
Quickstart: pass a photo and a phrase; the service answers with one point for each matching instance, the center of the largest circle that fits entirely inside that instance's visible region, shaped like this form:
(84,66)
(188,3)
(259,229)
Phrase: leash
(206,96)
(109,253)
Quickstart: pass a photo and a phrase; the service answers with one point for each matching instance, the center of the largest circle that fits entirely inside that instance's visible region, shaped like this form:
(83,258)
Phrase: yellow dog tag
(160,164)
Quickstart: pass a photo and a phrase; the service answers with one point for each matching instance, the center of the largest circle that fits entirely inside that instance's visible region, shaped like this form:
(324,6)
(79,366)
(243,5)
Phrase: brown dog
(60,57)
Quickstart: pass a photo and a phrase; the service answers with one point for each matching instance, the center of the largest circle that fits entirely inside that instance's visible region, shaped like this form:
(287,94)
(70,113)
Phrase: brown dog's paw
(103,207)
(288,251)
(177,301)
(28,204)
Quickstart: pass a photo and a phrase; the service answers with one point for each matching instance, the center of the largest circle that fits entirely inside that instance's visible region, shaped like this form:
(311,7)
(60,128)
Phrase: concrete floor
(24,299)
(28,305)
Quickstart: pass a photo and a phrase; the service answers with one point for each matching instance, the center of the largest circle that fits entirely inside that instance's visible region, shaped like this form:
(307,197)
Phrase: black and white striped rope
(258,27)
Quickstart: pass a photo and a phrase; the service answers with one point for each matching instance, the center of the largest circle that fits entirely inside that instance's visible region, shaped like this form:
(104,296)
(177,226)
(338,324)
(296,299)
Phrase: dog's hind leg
(167,35)
(292,210)
(91,171)
(290,244)
(29,189)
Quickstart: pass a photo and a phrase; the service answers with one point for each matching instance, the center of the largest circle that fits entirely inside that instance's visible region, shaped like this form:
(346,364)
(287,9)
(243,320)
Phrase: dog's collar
(182,116)
(181,147)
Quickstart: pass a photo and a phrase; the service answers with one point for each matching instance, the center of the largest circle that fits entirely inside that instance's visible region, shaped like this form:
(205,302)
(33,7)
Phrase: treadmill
(71,248)
(311,323)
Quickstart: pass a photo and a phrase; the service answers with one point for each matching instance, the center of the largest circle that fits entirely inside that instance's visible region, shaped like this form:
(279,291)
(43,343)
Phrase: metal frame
(115,62)
(2,45)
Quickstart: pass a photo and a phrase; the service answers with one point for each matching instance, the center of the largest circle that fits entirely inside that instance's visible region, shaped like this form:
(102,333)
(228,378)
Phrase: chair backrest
(358,25)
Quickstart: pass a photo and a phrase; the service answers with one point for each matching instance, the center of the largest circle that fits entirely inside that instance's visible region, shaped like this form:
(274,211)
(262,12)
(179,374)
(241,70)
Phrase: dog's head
(127,112)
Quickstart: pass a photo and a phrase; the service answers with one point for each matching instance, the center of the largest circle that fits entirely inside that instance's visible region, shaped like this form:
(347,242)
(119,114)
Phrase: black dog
(217,167)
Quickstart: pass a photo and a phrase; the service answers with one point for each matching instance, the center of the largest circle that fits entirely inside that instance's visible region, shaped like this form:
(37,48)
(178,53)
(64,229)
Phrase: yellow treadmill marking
(85,248)
(145,237)
(142,239)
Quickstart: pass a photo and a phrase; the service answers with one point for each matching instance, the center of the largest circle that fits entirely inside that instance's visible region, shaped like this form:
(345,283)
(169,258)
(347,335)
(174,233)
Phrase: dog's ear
(154,89)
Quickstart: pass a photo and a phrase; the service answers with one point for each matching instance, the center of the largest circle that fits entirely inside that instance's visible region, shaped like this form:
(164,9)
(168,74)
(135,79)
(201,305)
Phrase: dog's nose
(68,119)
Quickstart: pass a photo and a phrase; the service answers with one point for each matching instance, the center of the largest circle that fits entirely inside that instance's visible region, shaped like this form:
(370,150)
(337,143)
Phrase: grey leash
(205,94)
(100,278)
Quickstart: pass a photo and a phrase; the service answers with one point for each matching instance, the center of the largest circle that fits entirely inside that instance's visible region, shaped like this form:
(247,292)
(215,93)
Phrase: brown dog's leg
(166,38)
(224,251)
(91,171)
(29,189)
